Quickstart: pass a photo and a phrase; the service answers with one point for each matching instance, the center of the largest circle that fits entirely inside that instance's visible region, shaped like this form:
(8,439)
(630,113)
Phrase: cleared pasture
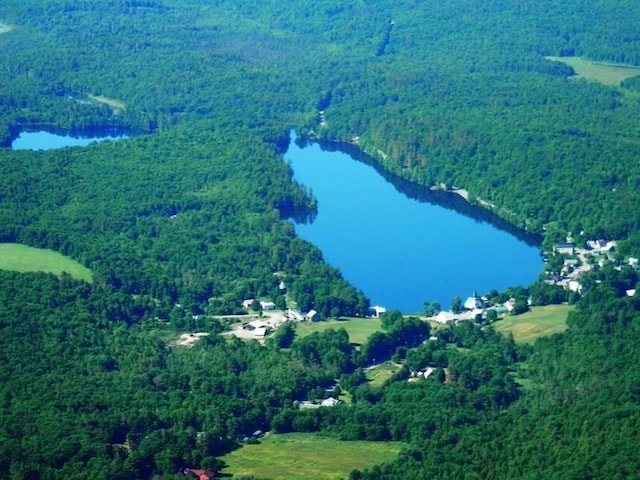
(605,73)
(538,322)
(116,105)
(304,456)
(21,258)
(359,329)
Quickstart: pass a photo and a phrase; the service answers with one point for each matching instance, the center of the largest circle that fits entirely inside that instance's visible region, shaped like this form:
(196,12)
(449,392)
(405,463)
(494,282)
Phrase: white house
(446,317)
(329,402)
(601,245)
(472,303)
(378,310)
(256,324)
(575,286)
(267,305)
(260,332)
(246,304)
(565,248)
(510,304)
(294,315)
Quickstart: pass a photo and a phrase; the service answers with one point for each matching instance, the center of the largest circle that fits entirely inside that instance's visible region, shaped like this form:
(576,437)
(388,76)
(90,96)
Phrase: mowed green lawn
(359,329)
(605,73)
(304,456)
(21,258)
(538,322)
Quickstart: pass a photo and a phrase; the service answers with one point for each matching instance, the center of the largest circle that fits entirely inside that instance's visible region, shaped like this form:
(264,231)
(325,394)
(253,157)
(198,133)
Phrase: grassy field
(306,456)
(359,329)
(115,104)
(605,73)
(21,258)
(538,322)
(377,376)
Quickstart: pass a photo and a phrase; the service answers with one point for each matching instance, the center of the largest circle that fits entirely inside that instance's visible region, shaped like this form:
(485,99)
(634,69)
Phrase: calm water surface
(43,140)
(400,251)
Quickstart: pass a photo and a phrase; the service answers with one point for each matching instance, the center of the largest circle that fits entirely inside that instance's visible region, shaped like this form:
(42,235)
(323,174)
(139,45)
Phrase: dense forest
(192,214)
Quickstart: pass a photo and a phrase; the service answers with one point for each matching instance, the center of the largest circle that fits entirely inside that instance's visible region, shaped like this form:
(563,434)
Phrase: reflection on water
(43,140)
(423,194)
(401,243)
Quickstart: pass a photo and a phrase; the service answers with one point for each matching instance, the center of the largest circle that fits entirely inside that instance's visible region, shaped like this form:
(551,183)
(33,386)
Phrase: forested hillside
(470,100)
(191,215)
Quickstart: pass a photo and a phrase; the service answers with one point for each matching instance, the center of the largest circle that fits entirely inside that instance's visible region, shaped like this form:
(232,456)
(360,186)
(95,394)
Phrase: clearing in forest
(307,456)
(605,73)
(359,329)
(538,322)
(116,105)
(381,373)
(21,258)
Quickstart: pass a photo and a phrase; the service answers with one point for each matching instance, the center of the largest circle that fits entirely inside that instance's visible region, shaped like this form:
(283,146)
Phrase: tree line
(190,216)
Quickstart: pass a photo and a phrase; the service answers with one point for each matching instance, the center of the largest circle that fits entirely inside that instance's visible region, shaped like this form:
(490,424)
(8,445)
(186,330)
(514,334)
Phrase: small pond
(44,140)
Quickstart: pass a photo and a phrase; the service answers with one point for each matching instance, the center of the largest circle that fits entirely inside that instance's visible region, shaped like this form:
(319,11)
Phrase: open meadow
(116,105)
(21,258)
(307,456)
(538,322)
(359,329)
(605,73)
(377,376)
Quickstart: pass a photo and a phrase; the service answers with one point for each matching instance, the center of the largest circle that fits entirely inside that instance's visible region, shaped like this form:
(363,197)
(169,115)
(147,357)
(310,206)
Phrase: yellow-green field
(538,322)
(605,73)
(21,258)
(304,456)
(359,329)
(115,104)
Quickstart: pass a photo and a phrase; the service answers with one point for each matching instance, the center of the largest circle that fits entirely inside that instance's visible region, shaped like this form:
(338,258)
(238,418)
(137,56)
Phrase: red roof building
(200,474)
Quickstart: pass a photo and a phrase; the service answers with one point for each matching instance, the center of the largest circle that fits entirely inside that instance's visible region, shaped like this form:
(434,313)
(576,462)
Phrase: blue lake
(402,244)
(43,140)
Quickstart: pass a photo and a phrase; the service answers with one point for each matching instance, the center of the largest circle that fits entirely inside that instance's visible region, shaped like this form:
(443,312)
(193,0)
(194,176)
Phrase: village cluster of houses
(272,319)
(576,262)
(473,307)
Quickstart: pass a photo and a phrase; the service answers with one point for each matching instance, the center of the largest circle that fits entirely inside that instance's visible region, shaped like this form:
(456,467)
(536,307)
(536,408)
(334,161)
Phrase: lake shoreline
(430,244)
(440,194)
(44,138)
